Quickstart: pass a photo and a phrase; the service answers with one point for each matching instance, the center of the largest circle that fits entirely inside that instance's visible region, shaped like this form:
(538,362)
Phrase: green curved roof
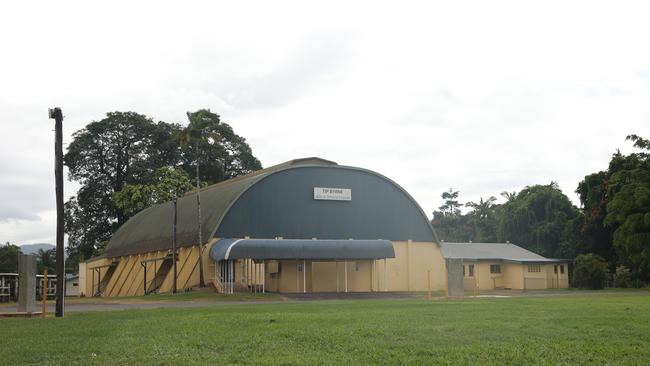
(282,205)
(151,229)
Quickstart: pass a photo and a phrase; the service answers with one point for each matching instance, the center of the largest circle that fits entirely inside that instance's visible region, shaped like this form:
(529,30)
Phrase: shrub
(590,271)
(622,277)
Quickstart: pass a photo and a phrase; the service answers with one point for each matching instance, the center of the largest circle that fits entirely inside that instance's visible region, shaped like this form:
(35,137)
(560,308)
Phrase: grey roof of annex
(492,251)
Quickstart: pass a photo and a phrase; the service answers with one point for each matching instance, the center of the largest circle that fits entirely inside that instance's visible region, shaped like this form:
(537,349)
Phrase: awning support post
(304,276)
(337,276)
(385,277)
(263,276)
(346,276)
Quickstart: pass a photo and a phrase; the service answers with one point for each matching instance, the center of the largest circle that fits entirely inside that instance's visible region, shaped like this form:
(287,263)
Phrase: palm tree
(509,196)
(482,208)
(195,133)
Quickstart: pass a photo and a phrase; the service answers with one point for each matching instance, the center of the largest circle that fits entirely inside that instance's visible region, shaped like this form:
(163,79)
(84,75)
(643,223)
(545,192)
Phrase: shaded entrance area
(294,265)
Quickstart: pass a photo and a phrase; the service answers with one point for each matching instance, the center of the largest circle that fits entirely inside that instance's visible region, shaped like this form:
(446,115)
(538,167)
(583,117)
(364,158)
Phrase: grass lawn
(604,329)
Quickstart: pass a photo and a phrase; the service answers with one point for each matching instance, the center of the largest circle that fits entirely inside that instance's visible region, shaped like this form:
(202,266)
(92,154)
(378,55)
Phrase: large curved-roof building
(301,226)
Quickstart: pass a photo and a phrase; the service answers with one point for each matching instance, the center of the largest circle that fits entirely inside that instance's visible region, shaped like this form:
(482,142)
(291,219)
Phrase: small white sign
(332,194)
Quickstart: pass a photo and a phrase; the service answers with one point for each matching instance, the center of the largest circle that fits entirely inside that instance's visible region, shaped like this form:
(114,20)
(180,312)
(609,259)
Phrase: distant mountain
(33,248)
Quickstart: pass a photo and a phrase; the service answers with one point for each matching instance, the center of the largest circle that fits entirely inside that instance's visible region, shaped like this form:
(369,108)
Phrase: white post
(346,276)
(337,276)
(263,276)
(304,276)
(385,277)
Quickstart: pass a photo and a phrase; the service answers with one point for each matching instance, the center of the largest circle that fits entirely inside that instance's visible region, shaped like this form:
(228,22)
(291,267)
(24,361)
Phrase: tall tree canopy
(127,149)
(616,206)
(168,184)
(540,218)
(9,257)
(628,209)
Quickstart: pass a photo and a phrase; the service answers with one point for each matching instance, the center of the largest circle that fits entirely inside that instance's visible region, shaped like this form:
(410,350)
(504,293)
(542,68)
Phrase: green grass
(595,329)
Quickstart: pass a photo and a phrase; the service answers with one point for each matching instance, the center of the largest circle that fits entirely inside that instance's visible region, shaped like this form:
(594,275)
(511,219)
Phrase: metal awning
(228,249)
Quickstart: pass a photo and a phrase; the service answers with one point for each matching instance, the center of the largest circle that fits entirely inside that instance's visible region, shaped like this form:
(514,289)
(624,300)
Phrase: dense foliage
(590,271)
(613,221)
(539,218)
(9,258)
(118,162)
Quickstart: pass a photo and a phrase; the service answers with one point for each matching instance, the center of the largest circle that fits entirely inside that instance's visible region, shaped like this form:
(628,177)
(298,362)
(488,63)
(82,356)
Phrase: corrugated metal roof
(491,251)
(151,229)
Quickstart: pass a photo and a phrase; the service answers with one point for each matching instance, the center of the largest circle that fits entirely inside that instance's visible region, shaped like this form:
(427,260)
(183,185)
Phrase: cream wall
(514,276)
(408,271)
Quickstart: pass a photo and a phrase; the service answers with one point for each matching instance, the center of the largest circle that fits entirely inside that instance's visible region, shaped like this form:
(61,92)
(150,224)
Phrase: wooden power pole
(57,115)
(174,246)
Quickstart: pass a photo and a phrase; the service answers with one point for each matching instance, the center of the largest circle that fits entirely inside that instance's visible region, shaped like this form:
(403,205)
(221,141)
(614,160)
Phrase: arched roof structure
(279,202)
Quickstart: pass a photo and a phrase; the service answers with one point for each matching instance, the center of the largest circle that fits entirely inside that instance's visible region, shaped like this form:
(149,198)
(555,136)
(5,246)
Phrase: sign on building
(332,194)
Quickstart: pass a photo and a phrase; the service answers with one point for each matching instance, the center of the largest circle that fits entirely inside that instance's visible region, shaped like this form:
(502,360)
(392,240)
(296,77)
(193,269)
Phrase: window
(464,271)
(534,267)
(562,268)
(495,268)
(300,267)
(471,270)
(356,266)
(555,269)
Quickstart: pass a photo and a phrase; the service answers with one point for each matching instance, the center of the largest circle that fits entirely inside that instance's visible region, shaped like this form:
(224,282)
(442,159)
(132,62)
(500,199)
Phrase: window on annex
(534,267)
(562,268)
(555,269)
(471,270)
(495,268)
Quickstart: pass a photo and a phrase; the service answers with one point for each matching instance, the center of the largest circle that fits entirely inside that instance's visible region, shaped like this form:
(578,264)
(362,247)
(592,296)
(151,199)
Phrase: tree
(596,237)
(9,258)
(622,277)
(590,271)
(213,144)
(509,196)
(46,259)
(128,149)
(451,205)
(123,148)
(482,208)
(169,183)
(628,210)
(537,219)
(228,156)
(482,218)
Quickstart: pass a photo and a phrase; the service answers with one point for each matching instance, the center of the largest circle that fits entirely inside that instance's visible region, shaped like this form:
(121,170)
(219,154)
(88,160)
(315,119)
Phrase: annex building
(306,225)
(493,266)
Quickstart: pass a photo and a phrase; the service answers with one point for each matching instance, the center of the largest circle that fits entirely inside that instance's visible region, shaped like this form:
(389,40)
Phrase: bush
(590,271)
(622,277)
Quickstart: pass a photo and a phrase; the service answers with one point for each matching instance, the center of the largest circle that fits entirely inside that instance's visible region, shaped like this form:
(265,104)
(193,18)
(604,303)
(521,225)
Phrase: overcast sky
(479,96)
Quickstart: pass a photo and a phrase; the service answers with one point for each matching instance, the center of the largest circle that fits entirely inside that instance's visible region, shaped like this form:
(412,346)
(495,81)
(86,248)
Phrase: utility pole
(174,247)
(57,116)
(198,205)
